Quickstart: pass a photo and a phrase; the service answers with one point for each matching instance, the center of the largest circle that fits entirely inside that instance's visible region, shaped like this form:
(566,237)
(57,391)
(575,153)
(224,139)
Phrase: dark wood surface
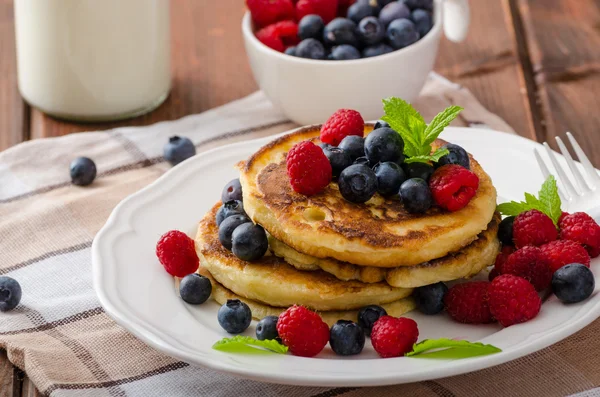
(535,63)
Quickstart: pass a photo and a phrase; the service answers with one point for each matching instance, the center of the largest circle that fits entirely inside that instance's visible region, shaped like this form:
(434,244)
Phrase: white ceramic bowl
(309,91)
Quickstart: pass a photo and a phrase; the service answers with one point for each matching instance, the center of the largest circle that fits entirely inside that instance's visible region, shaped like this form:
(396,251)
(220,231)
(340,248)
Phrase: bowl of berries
(316,56)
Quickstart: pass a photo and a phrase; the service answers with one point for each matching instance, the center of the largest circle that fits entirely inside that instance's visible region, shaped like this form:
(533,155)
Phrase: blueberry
(344,52)
(354,145)
(311,49)
(324,145)
(505,230)
(573,283)
(231,207)
(232,191)
(360,10)
(362,161)
(376,50)
(392,11)
(422,20)
(401,33)
(83,171)
(338,159)
(370,31)
(430,298)
(357,183)
(10,293)
(311,27)
(267,328)
(384,144)
(291,51)
(195,289)
(457,155)
(234,316)
(380,124)
(346,338)
(418,170)
(368,315)
(340,31)
(383,3)
(227,227)
(389,178)
(249,242)
(416,196)
(178,149)
(413,4)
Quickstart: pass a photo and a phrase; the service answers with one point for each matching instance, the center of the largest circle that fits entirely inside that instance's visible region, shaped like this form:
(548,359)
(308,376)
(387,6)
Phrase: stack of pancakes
(334,256)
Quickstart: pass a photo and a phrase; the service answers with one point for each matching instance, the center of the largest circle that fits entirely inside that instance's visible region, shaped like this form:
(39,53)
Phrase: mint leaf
(248,345)
(512,208)
(549,196)
(403,118)
(439,122)
(452,349)
(435,157)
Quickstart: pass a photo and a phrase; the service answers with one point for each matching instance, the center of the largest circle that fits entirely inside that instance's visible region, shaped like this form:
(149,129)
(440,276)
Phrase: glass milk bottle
(93,60)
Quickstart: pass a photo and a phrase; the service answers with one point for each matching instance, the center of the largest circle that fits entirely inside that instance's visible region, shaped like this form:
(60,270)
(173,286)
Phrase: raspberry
(343,6)
(308,168)
(582,228)
(530,263)
(533,228)
(279,35)
(513,300)
(326,9)
(564,252)
(303,331)
(394,337)
(266,12)
(339,125)
(468,303)
(493,274)
(502,257)
(177,253)
(453,186)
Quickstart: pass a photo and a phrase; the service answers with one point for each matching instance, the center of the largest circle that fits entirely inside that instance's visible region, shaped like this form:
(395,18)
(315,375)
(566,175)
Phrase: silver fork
(578,193)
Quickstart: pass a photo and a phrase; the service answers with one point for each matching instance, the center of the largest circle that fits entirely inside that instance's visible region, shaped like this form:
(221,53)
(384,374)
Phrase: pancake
(260,310)
(378,233)
(270,280)
(462,264)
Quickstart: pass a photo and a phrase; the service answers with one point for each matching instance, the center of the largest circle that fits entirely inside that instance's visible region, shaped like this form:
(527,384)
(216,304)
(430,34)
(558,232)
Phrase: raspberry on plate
(394,337)
(582,228)
(468,303)
(177,253)
(341,124)
(564,252)
(533,228)
(502,257)
(513,300)
(530,263)
(302,331)
(279,35)
(326,9)
(308,168)
(266,12)
(453,186)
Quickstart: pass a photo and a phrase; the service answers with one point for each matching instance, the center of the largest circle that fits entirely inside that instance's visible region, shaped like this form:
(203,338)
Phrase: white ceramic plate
(136,291)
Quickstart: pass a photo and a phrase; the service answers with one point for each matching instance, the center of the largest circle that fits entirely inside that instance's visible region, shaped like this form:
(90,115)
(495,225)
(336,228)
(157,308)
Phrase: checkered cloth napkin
(61,337)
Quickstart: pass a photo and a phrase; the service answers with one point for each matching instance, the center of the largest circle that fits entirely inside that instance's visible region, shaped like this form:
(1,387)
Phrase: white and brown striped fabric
(68,346)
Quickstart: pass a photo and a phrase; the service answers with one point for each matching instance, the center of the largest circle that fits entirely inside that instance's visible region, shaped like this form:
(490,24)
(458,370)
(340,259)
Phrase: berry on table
(422,20)
(310,49)
(513,300)
(344,52)
(469,303)
(416,196)
(229,208)
(453,186)
(394,337)
(177,253)
(232,191)
(533,228)
(530,263)
(505,230)
(362,161)
(429,299)
(370,31)
(10,293)
(354,145)
(376,50)
(340,31)
(457,155)
(234,316)
(227,227)
(360,10)
(562,252)
(381,124)
(357,183)
(401,33)
(582,228)
(311,27)
(338,159)
(249,242)
(326,9)
(195,289)
(368,315)
(392,11)
(308,168)
(266,12)
(389,178)
(418,170)
(178,149)
(302,331)
(346,338)
(573,283)
(384,144)
(83,171)
(267,328)
(341,124)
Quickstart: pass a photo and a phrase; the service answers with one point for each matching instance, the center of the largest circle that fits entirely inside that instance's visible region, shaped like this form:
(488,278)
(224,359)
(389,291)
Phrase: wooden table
(535,63)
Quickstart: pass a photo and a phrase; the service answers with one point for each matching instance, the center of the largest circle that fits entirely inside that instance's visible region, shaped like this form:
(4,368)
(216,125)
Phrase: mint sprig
(450,349)
(548,202)
(248,345)
(416,133)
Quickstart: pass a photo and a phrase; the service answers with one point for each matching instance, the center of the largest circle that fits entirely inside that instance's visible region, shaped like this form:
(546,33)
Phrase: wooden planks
(10,384)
